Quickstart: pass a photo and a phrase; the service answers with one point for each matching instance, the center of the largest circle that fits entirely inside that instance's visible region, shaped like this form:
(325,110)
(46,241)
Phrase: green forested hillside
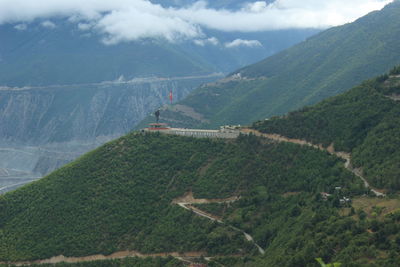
(364,121)
(119,196)
(322,66)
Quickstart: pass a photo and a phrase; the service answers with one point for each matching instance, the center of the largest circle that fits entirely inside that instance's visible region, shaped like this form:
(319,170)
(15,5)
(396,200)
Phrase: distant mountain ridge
(67,54)
(322,66)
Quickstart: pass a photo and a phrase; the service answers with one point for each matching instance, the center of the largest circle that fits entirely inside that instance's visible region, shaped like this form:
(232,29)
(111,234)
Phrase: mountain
(64,91)
(121,197)
(40,56)
(66,54)
(248,201)
(364,121)
(322,66)
(43,128)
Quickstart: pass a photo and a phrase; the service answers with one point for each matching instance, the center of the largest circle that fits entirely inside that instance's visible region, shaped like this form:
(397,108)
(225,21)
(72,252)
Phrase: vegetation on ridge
(364,121)
(119,197)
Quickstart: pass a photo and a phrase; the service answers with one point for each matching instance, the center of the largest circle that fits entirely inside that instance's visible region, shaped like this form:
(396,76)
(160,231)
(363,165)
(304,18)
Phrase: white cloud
(21,27)
(256,7)
(126,20)
(240,42)
(282,14)
(208,41)
(84,26)
(48,24)
(132,24)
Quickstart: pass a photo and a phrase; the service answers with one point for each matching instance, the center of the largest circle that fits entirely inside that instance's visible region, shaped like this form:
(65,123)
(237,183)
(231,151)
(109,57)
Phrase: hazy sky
(126,20)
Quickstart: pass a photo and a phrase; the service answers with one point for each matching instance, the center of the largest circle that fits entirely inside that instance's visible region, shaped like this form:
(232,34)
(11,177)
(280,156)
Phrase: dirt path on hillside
(187,201)
(116,255)
(331,150)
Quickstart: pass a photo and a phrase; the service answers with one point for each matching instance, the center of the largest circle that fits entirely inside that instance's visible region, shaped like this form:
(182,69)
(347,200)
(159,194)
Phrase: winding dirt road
(187,200)
(184,202)
(343,155)
(116,255)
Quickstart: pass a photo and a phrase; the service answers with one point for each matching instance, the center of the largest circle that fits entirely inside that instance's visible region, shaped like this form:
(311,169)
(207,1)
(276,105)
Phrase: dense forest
(119,197)
(364,121)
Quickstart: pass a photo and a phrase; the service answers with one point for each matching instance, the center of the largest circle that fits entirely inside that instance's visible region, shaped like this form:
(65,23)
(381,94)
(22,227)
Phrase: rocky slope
(46,127)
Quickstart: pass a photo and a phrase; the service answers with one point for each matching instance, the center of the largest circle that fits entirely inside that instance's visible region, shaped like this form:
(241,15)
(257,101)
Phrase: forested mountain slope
(120,197)
(322,66)
(364,121)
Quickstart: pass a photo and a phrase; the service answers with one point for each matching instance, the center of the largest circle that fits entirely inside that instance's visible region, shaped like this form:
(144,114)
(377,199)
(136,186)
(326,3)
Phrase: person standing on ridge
(157,114)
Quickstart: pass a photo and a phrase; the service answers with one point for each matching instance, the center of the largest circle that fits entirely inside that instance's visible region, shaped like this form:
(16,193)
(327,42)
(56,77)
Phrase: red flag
(170,96)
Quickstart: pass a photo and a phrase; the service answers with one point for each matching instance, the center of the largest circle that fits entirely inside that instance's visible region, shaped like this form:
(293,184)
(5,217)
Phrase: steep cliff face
(45,115)
(42,128)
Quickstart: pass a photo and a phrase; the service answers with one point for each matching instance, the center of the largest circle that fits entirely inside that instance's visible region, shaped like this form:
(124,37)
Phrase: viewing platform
(224,131)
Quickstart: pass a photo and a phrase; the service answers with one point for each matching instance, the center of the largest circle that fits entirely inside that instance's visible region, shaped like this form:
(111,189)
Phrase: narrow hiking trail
(343,155)
(187,201)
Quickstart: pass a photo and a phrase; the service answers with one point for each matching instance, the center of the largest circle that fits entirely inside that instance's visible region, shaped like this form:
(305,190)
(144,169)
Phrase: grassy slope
(363,121)
(118,197)
(324,65)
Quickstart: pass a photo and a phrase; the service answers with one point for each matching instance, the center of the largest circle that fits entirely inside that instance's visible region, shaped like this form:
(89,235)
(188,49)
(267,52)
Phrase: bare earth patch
(188,198)
(368,205)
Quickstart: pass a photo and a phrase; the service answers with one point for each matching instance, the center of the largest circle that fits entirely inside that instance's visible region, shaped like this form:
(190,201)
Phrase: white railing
(198,133)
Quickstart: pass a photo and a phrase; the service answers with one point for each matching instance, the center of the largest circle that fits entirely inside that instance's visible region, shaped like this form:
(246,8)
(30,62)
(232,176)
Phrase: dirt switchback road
(187,200)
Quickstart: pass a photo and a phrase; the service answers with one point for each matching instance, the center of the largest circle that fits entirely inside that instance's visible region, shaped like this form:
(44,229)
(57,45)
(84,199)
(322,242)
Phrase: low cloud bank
(240,42)
(128,20)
